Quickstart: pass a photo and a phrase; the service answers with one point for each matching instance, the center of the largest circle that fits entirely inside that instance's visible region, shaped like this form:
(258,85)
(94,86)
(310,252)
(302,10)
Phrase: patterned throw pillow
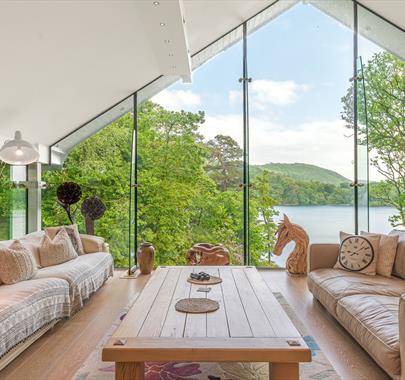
(358,253)
(56,251)
(16,263)
(386,252)
(73,233)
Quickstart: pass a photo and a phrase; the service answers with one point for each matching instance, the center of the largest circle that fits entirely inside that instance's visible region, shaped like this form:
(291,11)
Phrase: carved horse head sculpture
(286,232)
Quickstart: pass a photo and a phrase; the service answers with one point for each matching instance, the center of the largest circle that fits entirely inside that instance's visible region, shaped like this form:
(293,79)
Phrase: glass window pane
(300,147)
(382,52)
(13,202)
(190,161)
(101,166)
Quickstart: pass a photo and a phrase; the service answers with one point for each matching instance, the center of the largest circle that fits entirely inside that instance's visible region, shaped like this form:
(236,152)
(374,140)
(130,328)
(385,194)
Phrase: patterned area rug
(319,369)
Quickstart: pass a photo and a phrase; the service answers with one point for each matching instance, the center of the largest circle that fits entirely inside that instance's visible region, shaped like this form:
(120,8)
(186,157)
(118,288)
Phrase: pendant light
(18,151)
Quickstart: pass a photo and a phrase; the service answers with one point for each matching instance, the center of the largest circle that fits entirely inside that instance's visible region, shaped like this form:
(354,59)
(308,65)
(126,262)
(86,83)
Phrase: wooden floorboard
(61,351)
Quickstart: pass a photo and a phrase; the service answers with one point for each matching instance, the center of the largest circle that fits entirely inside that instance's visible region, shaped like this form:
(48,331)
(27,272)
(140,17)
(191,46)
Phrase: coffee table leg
(129,371)
(284,371)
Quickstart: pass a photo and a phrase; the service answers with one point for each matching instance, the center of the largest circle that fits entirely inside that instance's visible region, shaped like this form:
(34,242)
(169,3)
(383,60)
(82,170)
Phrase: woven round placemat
(212,281)
(196,305)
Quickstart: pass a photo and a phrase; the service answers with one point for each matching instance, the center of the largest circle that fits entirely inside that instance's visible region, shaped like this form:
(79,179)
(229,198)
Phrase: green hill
(302,172)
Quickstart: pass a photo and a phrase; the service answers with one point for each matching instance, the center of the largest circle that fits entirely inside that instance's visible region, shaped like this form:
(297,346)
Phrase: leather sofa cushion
(330,285)
(373,322)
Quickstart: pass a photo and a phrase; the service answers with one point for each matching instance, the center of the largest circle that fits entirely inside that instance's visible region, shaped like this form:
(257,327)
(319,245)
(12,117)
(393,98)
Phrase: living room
(266,148)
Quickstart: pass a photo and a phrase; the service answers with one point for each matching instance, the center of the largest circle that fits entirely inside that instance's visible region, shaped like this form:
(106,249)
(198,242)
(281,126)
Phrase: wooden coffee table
(250,325)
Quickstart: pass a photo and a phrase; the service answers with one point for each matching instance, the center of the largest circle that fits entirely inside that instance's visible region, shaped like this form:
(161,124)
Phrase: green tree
(171,174)
(224,162)
(179,202)
(264,205)
(100,165)
(384,113)
(6,200)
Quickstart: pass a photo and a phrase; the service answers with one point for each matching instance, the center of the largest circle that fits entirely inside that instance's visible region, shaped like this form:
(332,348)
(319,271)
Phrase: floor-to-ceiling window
(381,116)
(190,162)
(308,148)
(289,108)
(301,64)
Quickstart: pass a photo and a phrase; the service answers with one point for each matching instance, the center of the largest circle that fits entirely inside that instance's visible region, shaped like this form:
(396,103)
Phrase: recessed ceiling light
(162,24)
(156,3)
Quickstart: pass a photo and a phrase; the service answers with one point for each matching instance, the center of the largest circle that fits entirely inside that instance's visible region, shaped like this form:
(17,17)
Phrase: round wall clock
(356,253)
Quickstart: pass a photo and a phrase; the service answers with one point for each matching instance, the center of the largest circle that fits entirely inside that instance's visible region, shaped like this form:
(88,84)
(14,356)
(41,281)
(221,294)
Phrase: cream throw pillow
(386,252)
(56,251)
(16,263)
(375,243)
(73,233)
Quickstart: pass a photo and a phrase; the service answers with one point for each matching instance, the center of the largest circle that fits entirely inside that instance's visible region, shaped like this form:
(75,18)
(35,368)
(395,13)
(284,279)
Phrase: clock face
(356,253)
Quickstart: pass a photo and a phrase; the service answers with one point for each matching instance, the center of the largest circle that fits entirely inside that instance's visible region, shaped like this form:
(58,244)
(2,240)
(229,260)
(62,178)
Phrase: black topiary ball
(69,193)
(93,208)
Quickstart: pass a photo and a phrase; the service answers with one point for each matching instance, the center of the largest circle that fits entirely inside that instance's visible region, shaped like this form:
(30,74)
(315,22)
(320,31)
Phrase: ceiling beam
(165,26)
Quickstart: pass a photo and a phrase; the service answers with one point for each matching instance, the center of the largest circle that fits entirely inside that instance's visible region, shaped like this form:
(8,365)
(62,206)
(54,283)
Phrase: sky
(300,65)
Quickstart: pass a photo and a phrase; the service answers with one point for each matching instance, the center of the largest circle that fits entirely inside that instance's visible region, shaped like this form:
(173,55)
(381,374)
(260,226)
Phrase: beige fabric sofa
(370,308)
(56,292)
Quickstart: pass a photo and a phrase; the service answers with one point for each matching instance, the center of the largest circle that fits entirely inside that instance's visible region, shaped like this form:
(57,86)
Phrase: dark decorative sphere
(93,208)
(69,193)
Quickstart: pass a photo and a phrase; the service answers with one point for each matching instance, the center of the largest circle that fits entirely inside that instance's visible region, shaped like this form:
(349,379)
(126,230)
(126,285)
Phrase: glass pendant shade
(18,151)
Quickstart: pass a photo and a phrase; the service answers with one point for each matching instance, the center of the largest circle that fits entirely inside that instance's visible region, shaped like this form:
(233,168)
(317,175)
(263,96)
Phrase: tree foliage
(12,205)
(188,188)
(100,165)
(381,114)
(187,193)
(5,200)
(224,162)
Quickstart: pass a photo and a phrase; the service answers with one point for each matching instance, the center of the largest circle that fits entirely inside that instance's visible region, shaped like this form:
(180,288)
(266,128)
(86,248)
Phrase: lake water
(323,223)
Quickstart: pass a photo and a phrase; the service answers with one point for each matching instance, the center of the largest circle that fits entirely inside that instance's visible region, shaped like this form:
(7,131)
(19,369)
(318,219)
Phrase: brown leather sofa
(370,308)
